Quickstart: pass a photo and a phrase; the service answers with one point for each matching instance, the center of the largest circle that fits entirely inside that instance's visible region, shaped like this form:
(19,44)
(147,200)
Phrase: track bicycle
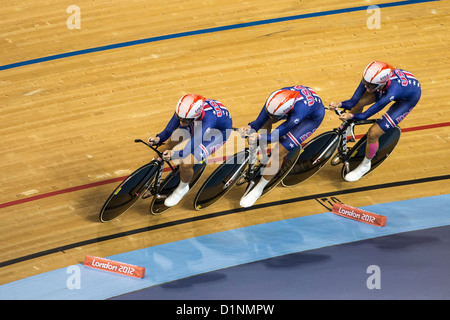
(144,183)
(241,168)
(319,150)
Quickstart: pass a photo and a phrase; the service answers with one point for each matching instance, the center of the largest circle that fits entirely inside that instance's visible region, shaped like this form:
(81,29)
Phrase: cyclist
(303,112)
(381,84)
(206,123)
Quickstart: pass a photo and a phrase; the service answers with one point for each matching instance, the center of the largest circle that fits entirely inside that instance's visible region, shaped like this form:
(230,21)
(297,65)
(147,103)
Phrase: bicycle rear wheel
(169,184)
(313,157)
(128,192)
(386,144)
(221,180)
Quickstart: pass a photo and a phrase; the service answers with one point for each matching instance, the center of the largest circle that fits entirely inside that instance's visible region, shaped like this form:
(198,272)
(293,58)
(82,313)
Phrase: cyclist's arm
(376,107)
(173,124)
(260,121)
(348,104)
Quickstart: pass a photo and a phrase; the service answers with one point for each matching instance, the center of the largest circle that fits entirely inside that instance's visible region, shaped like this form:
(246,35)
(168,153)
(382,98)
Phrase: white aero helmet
(281,102)
(377,73)
(190,107)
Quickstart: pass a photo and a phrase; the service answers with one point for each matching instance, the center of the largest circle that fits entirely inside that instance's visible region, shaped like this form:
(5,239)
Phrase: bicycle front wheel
(128,192)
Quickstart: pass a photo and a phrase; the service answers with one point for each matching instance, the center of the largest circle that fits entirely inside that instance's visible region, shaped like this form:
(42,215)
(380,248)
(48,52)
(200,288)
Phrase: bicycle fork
(157,183)
(153,187)
(344,151)
(350,129)
(253,149)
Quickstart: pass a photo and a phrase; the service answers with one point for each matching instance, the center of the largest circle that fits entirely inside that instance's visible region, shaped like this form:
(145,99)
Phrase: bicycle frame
(253,176)
(249,174)
(342,131)
(237,170)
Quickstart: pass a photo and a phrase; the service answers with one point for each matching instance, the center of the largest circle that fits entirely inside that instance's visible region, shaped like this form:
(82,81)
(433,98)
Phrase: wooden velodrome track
(67,123)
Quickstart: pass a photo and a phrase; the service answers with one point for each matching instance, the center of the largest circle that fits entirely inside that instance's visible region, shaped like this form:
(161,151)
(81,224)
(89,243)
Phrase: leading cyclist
(206,123)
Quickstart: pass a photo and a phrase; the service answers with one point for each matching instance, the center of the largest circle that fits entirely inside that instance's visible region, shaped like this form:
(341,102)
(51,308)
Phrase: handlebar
(159,153)
(155,148)
(356,122)
(338,112)
(237,130)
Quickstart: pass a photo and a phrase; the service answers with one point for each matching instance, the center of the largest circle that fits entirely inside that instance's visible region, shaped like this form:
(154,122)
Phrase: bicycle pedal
(162,196)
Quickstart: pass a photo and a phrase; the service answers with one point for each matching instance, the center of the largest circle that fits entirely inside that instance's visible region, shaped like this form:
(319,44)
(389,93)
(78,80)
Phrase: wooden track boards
(71,122)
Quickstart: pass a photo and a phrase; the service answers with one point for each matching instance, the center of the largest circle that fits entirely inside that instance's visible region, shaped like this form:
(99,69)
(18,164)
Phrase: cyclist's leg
(211,142)
(276,159)
(187,169)
(186,173)
(198,155)
(396,113)
(374,133)
(296,137)
(288,142)
(169,144)
(265,129)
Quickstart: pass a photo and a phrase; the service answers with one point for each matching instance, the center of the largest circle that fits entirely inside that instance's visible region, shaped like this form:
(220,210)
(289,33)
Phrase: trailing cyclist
(381,84)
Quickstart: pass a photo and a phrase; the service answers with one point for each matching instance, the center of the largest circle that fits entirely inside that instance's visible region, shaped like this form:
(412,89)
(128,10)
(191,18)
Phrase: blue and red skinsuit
(207,134)
(402,87)
(301,121)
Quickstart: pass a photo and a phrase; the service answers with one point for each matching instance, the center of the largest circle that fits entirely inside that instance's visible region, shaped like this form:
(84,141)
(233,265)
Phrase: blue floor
(412,265)
(322,256)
